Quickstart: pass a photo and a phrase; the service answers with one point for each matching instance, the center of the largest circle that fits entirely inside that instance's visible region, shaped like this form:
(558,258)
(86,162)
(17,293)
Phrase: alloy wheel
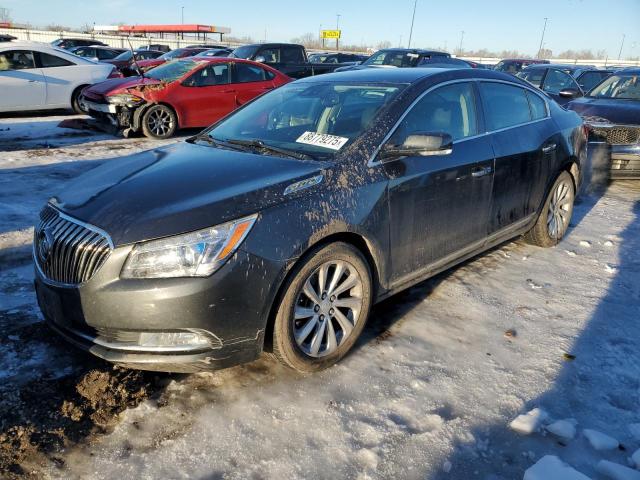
(559,212)
(160,122)
(327,308)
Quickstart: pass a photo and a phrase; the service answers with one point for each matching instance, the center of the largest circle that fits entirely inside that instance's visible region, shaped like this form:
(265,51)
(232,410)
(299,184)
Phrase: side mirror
(420,144)
(570,93)
(260,59)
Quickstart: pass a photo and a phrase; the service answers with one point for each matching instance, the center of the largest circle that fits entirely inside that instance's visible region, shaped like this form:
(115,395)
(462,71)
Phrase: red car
(172,55)
(187,93)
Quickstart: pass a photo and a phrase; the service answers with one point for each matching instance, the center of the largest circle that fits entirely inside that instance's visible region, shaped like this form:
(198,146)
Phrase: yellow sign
(331,33)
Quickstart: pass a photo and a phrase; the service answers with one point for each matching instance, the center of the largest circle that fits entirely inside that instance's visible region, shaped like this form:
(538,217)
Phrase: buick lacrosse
(277,228)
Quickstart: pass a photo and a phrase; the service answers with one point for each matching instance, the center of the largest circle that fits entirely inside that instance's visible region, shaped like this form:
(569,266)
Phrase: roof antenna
(133,57)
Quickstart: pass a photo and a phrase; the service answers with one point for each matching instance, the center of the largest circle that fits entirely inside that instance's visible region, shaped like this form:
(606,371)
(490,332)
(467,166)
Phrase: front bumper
(118,116)
(625,161)
(105,315)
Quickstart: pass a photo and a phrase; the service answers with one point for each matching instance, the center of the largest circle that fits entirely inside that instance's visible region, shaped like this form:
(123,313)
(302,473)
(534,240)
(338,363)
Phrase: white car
(37,76)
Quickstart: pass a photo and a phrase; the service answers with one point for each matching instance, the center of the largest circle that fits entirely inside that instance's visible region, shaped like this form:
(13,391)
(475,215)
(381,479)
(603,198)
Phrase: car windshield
(243,52)
(312,119)
(625,87)
(124,56)
(171,71)
(393,58)
(172,54)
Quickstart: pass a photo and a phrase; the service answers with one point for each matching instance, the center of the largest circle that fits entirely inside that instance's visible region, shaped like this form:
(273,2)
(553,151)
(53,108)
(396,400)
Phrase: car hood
(179,188)
(115,85)
(624,112)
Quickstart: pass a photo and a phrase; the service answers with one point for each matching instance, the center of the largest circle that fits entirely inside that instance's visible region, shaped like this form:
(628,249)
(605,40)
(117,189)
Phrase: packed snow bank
(599,440)
(529,422)
(615,471)
(551,467)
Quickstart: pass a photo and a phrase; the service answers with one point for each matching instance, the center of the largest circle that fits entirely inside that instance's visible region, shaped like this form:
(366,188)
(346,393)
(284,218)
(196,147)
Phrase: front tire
(553,221)
(159,122)
(324,308)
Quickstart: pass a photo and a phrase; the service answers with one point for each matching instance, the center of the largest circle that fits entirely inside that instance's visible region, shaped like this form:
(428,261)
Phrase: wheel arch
(354,239)
(139,113)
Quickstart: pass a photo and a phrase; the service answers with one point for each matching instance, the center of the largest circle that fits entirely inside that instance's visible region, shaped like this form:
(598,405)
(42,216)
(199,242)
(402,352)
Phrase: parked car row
(159,101)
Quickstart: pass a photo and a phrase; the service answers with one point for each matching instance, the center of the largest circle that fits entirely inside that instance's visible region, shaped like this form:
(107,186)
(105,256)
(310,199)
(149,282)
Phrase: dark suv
(68,43)
(281,225)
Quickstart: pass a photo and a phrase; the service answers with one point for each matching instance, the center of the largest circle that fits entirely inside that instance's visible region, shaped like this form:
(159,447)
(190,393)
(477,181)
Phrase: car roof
(628,71)
(411,75)
(413,50)
(100,47)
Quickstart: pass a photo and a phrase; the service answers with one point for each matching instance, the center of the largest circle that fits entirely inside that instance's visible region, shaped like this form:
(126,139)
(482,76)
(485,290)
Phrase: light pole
(621,45)
(542,39)
(338,29)
(461,38)
(182,16)
(413,17)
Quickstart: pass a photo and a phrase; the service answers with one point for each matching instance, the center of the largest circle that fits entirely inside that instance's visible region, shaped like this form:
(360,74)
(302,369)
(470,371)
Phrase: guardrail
(118,41)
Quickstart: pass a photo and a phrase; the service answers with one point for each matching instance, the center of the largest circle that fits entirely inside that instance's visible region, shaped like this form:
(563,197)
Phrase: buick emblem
(45,242)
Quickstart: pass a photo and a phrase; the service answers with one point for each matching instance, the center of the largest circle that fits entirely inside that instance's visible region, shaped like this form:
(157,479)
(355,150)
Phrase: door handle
(32,81)
(549,148)
(267,88)
(228,91)
(481,171)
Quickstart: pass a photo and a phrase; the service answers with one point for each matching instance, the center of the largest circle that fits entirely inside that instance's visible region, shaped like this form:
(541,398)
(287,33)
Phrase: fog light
(189,338)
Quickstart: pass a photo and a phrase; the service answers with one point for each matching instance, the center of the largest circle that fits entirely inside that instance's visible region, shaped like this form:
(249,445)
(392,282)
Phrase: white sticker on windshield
(322,140)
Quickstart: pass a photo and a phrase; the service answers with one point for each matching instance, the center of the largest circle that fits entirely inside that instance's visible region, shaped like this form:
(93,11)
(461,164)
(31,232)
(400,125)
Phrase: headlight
(124,99)
(195,254)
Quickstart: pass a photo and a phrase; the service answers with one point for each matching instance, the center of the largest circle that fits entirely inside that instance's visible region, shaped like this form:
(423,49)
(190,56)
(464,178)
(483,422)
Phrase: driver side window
(16,60)
(557,80)
(450,109)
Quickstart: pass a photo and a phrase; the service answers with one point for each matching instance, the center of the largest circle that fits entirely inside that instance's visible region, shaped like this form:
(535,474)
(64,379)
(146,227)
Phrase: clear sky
(491,24)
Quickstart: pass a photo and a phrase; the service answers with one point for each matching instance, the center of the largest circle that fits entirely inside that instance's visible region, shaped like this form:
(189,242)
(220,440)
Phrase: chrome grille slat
(74,251)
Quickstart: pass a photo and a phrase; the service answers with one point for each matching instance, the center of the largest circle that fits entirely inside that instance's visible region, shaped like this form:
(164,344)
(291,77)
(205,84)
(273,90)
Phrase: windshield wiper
(260,145)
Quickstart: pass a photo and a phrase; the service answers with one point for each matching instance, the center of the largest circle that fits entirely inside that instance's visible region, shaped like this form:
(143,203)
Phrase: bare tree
(383,44)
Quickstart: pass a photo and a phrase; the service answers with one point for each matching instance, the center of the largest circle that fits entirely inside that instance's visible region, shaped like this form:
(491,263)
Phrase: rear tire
(553,221)
(75,100)
(159,122)
(325,306)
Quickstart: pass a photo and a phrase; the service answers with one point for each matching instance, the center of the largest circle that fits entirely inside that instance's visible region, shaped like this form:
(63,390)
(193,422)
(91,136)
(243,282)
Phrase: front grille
(66,250)
(617,135)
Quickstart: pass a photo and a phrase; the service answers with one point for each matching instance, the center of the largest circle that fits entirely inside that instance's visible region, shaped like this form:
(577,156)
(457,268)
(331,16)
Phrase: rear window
(50,61)
(505,105)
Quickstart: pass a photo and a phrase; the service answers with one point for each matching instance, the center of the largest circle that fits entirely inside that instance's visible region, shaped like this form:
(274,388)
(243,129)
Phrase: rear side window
(16,60)
(291,55)
(49,61)
(107,54)
(450,109)
(534,76)
(505,105)
(537,105)
(249,73)
(588,80)
(557,80)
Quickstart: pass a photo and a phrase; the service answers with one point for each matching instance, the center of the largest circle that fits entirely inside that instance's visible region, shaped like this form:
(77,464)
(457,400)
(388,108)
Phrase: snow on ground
(430,390)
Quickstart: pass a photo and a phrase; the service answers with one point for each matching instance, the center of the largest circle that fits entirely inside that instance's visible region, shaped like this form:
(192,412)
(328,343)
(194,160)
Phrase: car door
(249,81)
(22,84)
(555,81)
(521,133)
(439,205)
(60,78)
(205,96)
